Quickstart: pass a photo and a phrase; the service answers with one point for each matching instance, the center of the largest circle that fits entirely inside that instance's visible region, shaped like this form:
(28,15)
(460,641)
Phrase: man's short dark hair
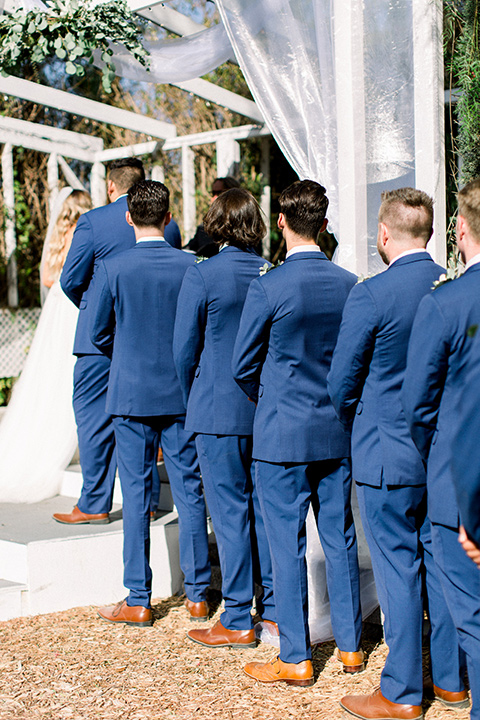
(148,203)
(126,172)
(469,206)
(407,211)
(235,218)
(304,207)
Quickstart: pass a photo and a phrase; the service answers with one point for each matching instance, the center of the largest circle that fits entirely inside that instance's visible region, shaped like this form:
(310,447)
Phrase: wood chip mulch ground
(73,666)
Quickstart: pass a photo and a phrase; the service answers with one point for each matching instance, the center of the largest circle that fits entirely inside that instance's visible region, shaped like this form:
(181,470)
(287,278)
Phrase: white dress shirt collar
(407,252)
(154,238)
(302,248)
(473,261)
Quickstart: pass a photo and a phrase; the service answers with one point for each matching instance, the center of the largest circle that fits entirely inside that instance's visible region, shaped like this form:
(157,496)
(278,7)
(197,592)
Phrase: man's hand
(472,550)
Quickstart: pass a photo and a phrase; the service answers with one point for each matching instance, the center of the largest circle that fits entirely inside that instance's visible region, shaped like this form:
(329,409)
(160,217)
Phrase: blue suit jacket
(438,350)
(282,355)
(466,455)
(99,233)
(208,314)
(172,234)
(135,297)
(368,366)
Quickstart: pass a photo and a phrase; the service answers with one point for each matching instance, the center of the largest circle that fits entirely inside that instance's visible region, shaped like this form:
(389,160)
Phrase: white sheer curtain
(292,54)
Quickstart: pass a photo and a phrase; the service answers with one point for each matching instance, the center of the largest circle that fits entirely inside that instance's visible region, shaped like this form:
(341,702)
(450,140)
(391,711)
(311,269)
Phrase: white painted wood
(266,199)
(352,176)
(188,191)
(98,189)
(158,173)
(228,156)
(429,115)
(69,175)
(88,143)
(52,179)
(9,233)
(222,97)
(92,109)
(126,151)
(46,146)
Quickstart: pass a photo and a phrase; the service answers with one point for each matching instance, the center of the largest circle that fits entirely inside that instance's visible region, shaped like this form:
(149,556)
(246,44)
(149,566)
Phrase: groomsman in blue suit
(365,383)
(466,458)
(208,314)
(438,353)
(135,298)
(99,233)
(282,355)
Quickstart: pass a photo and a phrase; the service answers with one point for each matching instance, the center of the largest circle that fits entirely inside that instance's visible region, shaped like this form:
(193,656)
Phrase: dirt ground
(73,666)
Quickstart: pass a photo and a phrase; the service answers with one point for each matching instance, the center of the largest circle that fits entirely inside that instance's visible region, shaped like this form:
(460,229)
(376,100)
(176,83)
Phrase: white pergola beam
(92,109)
(79,140)
(220,96)
(429,115)
(44,145)
(8,182)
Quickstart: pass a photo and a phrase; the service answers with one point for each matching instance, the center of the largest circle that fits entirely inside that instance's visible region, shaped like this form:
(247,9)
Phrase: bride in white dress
(38,433)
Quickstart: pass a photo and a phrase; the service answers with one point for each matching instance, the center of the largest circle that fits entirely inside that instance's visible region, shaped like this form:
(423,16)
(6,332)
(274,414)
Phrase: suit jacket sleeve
(252,340)
(78,268)
(353,351)
(102,327)
(427,366)
(190,321)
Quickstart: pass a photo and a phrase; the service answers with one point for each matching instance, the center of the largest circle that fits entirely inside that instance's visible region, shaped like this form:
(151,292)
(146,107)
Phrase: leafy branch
(70,30)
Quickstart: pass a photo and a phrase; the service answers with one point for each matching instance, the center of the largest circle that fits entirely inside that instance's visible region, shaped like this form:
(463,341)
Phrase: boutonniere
(266,267)
(200,258)
(362,278)
(453,272)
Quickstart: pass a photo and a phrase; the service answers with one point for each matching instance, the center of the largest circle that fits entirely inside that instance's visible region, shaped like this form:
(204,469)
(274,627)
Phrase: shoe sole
(298,683)
(363,717)
(199,619)
(459,705)
(147,623)
(82,522)
(353,669)
(234,646)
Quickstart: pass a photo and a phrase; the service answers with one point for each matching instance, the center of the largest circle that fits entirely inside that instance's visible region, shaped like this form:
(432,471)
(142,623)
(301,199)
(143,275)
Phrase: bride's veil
(55,212)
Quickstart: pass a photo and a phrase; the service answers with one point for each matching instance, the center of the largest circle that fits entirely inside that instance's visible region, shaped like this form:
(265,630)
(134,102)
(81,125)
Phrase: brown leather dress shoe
(77,517)
(218,636)
(198,610)
(452,700)
(352,661)
(278,671)
(377,707)
(123,613)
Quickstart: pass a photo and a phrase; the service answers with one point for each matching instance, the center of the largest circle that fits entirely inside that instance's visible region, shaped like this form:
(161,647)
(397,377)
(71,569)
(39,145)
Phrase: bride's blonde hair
(77,203)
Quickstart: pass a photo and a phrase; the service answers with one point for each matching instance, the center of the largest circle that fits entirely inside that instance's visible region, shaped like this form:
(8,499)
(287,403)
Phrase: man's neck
(150,232)
(293,240)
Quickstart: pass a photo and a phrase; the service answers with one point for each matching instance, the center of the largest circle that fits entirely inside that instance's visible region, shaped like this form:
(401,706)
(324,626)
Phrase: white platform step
(48,567)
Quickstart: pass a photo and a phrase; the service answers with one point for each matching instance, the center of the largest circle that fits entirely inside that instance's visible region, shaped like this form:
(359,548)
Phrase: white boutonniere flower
(200,258)
(266,267)
(453,272)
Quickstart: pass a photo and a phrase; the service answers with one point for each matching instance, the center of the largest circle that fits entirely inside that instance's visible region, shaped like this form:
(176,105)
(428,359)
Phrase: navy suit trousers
(460,581)
(136,442)
(285,492)
(399,537)
(226,465)
(96,438)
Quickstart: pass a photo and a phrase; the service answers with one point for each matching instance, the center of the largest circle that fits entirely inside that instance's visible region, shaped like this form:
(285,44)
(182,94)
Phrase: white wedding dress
(37,433)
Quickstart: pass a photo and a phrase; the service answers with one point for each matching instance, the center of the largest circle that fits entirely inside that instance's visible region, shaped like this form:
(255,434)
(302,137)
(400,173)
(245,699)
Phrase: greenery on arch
(70,30)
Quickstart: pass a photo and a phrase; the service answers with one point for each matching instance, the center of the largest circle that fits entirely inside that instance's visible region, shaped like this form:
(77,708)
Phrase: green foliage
(70,30)
(462,56)
(6,385)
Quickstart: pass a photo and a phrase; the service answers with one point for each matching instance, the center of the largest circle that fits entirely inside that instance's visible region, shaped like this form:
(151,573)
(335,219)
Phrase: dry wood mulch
(73,666)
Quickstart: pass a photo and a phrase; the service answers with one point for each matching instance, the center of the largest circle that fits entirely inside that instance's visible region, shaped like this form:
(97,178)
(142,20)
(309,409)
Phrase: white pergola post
(97,184)
(266,199)
(52,179)
(352,174)
(158,173)
(9,210)
(430,114)
(188,190)
(228,156)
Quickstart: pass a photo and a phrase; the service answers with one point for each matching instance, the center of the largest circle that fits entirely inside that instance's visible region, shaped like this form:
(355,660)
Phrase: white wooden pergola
(63,144)
(353,251)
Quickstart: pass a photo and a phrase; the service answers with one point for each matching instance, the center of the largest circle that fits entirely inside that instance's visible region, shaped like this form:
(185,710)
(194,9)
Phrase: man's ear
(383,233)
(168,217)
(324,226)
(128,218)
(110,187)
(281,221)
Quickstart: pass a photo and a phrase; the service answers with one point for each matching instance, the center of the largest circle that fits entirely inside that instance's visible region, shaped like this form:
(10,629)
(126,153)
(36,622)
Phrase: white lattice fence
(17,328)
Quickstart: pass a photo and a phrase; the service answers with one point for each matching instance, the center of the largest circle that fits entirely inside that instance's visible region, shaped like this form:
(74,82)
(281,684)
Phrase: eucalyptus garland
(70,30)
